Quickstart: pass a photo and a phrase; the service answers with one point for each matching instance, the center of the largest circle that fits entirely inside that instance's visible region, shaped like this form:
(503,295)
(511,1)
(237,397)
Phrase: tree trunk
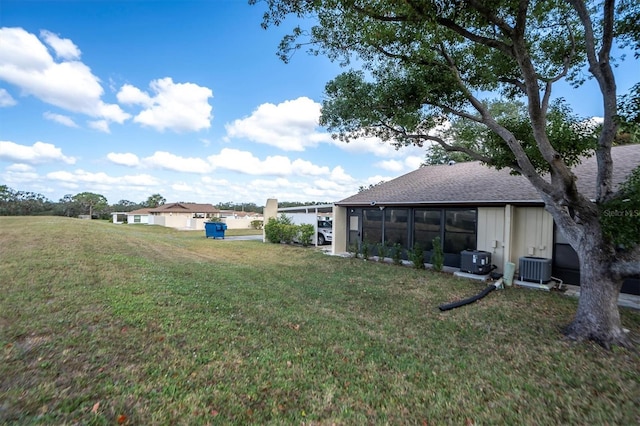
(598,316)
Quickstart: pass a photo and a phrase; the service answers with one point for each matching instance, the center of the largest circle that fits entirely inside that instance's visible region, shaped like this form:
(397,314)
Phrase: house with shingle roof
(138,216)
(177,215)
(470,207)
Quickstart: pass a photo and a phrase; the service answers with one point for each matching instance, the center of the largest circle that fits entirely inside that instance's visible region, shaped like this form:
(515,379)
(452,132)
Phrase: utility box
(475,262)
(214,229)
(535,269)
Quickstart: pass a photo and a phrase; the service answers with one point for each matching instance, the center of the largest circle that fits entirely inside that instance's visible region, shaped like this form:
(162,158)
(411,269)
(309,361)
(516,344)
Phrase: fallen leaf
(94,410)
(214,413)
(122,419)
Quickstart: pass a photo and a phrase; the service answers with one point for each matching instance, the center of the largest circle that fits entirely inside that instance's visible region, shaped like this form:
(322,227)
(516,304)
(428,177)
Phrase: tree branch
(566,63)
(516,83)
(451,24)
(485,41)
(629,265)
(489,14)
(378,17)
(600,67)
(524,163)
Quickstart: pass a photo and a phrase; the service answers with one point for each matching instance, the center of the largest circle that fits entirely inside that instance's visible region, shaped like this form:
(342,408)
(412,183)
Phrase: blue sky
(183,98)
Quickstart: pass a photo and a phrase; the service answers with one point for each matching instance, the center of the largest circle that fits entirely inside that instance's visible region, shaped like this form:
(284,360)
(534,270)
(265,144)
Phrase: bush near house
(282,230)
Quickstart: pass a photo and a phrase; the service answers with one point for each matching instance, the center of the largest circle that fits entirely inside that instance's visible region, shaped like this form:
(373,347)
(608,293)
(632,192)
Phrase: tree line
(26,203)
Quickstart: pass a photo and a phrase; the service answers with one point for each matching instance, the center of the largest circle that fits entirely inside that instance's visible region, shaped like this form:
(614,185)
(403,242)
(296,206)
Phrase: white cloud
(414,162)
(245,162)
(373,180)
(20,174)
(61,119)
(406,164)
(228,159)
(131,95)
(168,161)
(63,47)
(277,165)
(124,159)
(391,165)
(180,107)
(377,147)
(291,125)
(99,125)
(38,153)
(6,100)
(307,168)
(19,167)
(83,177)
(69,84)
(183,187)
(339,175)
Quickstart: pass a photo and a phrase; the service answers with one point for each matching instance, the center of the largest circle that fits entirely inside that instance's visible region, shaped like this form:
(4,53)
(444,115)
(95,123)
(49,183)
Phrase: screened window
(395,226)
(136,218)
(460,230)
(426,227)
(372,226)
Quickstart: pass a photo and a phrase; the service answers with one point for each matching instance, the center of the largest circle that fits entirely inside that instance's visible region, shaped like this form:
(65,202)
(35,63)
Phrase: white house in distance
(239,219)
(191,216)
(138,216)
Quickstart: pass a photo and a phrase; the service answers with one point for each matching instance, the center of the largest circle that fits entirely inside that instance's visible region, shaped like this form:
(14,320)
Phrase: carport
(301,214)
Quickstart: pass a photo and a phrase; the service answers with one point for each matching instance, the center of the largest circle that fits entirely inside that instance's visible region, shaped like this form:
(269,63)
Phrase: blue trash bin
(214,229)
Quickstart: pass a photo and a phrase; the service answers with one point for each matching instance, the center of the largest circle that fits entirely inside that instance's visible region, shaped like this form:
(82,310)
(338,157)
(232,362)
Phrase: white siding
(533,233)
(491,233)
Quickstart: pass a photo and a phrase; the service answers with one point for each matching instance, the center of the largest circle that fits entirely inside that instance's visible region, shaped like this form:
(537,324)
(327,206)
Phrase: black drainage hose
(472,299)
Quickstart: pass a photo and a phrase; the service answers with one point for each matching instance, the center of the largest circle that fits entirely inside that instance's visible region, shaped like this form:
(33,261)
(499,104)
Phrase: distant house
(239,219)
(138,216)
(183,215)
(470,206)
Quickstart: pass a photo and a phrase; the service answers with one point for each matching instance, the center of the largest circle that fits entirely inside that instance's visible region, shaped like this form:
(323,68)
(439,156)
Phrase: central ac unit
(475,262)
(535,269)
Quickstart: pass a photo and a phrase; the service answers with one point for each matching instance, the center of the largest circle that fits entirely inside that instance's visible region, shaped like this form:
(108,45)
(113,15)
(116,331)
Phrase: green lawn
(112,324)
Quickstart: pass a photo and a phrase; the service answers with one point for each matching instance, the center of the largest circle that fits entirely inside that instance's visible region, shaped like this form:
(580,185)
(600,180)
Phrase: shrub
(353,249)
(437,257)
(289,232)
(396,254)
(273,230)
(382,251)
(306,232)
(416,255)
(282,230)
(364,250)
(257,224)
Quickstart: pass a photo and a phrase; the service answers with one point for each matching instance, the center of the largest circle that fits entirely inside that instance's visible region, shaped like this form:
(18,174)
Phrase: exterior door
(354,228)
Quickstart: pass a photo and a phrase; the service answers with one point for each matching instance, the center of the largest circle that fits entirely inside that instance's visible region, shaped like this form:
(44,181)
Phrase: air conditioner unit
(475,262)
(535,269)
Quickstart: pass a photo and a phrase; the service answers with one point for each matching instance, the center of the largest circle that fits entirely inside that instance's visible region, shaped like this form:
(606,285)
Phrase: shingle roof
(474,183)
(140,211)
(185,208)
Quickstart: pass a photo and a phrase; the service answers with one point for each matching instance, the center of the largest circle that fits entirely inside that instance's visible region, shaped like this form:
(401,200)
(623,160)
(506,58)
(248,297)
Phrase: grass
(107,324)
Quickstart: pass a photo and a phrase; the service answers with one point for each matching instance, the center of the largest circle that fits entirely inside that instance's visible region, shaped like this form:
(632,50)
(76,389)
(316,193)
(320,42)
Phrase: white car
(325,232)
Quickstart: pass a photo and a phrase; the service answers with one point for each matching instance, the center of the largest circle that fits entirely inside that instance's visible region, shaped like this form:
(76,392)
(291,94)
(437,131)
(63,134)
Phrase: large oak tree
(424,61)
